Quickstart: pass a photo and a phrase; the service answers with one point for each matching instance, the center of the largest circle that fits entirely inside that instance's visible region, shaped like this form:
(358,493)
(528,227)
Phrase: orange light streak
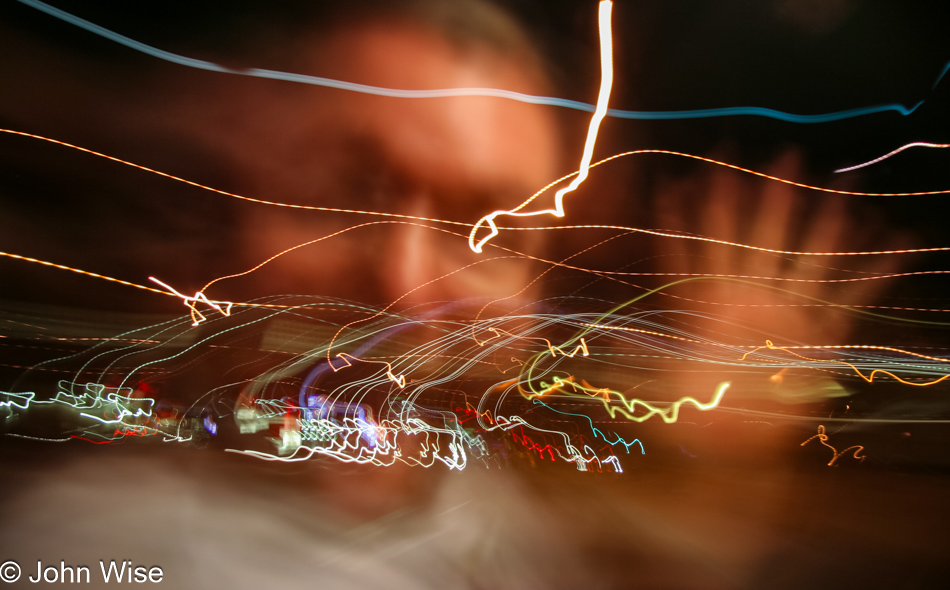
(870,377)
(84,272)
(533,197)
(199,297)
(582,347)
(823,439)
(400,380)
(640,331)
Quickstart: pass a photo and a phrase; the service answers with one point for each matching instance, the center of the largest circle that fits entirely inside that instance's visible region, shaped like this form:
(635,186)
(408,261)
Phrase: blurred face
(454,158)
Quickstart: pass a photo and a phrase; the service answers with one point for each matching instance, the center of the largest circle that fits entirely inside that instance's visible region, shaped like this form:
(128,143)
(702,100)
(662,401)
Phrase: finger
(721,221)
(776,205)
(824,231)
(671,216)
(775,214)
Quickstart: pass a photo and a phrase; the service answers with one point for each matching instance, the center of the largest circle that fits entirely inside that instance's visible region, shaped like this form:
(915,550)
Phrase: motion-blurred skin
(722,525)
(454,159)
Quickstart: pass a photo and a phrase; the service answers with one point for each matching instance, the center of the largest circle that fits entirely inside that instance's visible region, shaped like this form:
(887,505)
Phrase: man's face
(454,159)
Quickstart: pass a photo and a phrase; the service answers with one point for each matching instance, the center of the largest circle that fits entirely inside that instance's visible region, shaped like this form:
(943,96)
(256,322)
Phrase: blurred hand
(784,298)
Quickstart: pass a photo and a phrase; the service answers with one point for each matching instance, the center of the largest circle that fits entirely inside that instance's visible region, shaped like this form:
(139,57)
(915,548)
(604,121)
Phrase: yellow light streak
(669,414)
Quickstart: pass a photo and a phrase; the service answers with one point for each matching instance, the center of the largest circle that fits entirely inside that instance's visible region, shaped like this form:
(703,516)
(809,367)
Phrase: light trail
(225,193)
(532,198)
(416,424)
(83,272)
(894,152)
(603,96)
(456,92)
(401,411)
(224,307)
(870,376)
(823,439)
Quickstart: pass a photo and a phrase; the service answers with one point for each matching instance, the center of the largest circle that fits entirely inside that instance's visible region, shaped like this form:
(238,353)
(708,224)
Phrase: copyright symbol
(10,571)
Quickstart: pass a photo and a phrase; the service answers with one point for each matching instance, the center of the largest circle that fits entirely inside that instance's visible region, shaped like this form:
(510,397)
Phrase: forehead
(478,142)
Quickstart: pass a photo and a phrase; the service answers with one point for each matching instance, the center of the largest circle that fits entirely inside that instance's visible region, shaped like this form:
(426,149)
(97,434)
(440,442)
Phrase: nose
(426,262)
(410,258)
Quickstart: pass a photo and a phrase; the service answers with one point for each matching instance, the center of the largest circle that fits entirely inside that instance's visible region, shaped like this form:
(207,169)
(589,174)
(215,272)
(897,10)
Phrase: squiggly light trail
(369,417)
(407,378)
(348,437)
(823,439)
(603,96)
(869,377)
(201,297)
(669,414)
